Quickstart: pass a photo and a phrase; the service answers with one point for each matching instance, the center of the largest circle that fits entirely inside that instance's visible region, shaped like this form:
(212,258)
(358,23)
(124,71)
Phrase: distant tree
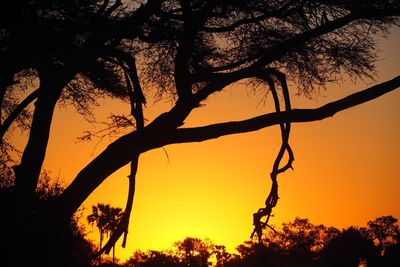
(301,241)
(222,256)
(384,231)
(258,255)
(81,50)
(136,259)
(296,243)
(348,249)
(194,252)
(153,259)
(106,219)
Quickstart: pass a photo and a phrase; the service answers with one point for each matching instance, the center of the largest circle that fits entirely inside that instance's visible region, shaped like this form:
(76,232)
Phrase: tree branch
(280,49)
(14,114)
(277,51)
(198,134)
(129,146)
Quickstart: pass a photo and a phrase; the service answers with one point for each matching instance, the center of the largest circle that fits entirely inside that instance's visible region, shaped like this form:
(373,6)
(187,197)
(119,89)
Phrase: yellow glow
(345,169)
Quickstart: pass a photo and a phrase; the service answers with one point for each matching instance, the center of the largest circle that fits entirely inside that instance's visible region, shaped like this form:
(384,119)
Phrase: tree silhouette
(78,51)
(222,256)
(153,259)
(194,252)
(191,251)
(296,243)
(349,248)
(299,243)
(106,219)
(258,255)
(384,231)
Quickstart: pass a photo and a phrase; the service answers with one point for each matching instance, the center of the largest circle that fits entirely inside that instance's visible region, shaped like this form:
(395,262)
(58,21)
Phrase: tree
(301,242)
(256,254)
(384,231)
(187,50)
(194,252)
(106,219)
(348,248)
(153,259)
(221,255)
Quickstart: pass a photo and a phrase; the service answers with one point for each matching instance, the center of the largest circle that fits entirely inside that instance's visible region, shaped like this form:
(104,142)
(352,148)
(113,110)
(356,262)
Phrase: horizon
(234,251)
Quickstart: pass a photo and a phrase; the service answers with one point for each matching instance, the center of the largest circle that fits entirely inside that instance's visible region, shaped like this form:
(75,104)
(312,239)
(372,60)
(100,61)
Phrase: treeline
(298,243)
(295,244)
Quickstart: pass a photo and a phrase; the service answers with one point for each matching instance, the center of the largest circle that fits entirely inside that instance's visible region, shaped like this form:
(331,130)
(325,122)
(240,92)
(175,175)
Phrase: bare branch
(136,101)
(122,227)
(14,114)
(268,55)
(203,133)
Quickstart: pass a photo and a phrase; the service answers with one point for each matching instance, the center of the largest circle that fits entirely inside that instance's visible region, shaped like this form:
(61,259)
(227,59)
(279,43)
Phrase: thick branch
(203,133)
(160,133)
(193,21)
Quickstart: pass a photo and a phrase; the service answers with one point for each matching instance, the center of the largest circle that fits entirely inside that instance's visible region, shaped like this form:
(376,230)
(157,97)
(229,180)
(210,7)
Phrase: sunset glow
(345,170)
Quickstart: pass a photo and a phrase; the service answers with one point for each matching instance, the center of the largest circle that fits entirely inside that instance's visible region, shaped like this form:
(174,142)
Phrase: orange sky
(345,169)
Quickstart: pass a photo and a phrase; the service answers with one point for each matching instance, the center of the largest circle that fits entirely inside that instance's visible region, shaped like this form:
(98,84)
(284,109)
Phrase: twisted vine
(266,212)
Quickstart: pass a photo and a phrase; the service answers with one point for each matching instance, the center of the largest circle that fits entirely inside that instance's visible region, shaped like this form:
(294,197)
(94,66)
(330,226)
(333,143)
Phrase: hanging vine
(271,76)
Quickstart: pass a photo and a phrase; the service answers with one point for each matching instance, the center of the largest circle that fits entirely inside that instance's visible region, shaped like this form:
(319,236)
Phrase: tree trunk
(52,80)
(101,244)
(113,256)
(34,225)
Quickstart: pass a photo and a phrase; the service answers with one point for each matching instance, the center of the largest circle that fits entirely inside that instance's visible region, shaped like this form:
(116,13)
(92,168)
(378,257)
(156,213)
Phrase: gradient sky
(346,169)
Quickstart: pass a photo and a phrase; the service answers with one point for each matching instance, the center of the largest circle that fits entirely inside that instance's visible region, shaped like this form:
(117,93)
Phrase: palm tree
(106,219)
(113,217)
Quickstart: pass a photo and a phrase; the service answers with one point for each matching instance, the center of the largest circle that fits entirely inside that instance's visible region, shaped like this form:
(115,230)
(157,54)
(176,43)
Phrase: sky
(345,169)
